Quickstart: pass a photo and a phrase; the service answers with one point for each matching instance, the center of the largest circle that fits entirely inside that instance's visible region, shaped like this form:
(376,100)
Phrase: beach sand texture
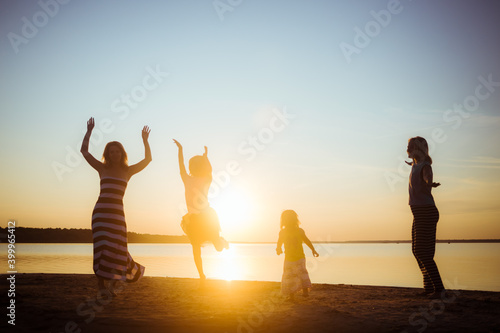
(69,303)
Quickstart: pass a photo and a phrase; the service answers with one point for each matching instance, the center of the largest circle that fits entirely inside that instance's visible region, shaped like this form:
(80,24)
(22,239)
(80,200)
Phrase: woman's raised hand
(206,152)
(90,124)
(145,133)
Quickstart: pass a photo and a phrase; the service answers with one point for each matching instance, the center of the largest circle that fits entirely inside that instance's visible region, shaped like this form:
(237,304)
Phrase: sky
(303,105)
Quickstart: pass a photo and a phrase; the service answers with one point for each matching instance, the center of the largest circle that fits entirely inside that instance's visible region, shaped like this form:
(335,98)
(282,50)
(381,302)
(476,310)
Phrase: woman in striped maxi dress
(425,215)
(112,261)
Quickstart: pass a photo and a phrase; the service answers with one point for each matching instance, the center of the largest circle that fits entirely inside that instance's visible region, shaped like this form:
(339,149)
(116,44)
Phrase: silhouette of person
(295,275)
(112,261)
(425,214)
(201,223)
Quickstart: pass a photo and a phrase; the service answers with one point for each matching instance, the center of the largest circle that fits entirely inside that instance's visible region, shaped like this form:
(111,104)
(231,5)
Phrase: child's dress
(201,223)
(295,275)
(201,227)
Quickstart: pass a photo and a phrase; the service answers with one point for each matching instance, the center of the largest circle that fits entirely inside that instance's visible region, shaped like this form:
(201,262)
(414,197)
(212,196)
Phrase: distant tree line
(59,235)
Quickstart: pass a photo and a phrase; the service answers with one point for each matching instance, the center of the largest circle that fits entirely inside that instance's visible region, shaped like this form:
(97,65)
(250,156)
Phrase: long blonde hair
(106,157)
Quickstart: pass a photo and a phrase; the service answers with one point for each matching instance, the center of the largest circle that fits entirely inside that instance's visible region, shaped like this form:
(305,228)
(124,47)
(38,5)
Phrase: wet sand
(70,303)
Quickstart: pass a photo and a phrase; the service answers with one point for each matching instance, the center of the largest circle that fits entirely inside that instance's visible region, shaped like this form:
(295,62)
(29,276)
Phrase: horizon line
(457,240)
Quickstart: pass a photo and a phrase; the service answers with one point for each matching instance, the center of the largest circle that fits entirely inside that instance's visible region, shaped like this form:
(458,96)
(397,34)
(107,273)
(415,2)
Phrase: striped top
(108,218)
(109,229)
(420,192)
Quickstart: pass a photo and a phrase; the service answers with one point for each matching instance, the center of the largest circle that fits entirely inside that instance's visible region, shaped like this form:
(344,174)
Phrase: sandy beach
(69,303)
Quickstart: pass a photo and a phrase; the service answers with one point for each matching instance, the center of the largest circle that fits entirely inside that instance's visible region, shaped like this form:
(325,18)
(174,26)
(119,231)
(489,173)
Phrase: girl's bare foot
(203,282)
(221,244)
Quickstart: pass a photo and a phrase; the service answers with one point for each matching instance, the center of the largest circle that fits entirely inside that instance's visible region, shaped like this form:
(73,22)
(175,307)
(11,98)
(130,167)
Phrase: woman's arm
(427,176)
(133,169)
(182,167)
(279,246)
(309,243)
(85,147)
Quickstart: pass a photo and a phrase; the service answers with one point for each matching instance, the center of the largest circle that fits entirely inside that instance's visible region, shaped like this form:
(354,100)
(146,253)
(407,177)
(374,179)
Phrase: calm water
(472,266)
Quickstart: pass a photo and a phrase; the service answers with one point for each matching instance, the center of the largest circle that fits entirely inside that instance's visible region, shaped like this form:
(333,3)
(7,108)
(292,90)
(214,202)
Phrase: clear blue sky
(231,69)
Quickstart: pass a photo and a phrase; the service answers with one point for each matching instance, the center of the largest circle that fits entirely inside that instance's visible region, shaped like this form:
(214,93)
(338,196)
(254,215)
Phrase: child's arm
(427,175)
(308,243)
(279,246)
(205,154)
(85,147)
(182,167)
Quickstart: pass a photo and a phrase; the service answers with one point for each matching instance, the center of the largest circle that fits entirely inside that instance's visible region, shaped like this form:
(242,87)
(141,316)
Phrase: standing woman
(425,214)
(112,261)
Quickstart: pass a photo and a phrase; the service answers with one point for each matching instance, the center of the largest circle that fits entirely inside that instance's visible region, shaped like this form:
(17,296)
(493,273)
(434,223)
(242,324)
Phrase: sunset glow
(235,210)
(301,107)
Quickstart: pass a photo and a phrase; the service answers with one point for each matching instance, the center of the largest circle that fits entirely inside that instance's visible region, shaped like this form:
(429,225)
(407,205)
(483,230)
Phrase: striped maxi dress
(112,260)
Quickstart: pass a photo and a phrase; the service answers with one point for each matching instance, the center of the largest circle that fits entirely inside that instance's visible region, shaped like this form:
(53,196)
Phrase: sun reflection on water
(227,267)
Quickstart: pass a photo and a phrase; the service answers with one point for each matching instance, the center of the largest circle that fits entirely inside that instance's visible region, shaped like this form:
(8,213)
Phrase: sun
(234,208)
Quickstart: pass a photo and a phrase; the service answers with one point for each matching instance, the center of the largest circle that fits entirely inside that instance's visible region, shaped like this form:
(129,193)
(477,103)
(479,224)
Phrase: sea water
(470,266)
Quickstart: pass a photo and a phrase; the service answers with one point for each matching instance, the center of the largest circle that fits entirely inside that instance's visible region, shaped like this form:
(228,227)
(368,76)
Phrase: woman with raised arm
(112,261)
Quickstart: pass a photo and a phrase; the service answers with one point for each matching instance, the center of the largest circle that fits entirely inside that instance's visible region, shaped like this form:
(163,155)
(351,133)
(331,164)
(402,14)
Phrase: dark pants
(423,234)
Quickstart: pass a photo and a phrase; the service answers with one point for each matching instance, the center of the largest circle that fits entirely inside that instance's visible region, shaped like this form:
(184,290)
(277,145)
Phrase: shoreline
(69,302)
(439,241)
(252,281)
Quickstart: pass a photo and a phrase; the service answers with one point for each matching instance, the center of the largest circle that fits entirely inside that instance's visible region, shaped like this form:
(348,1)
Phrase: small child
(295,276)
(201,223)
